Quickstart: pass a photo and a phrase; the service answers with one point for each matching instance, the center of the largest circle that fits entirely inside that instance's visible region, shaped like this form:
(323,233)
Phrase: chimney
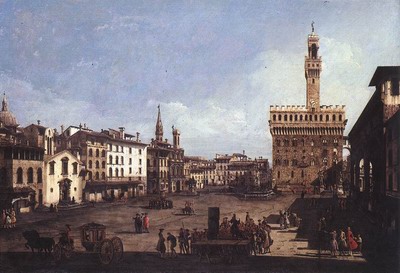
(62,129)
(137,136)
(38,122)
(122,132)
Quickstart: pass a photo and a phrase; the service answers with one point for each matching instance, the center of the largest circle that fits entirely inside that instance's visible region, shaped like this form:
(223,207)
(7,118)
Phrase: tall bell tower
(312,67)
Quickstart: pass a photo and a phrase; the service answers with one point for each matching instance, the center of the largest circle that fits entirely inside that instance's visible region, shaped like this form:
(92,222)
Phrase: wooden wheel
(57,253)
(106,253)
(118,248)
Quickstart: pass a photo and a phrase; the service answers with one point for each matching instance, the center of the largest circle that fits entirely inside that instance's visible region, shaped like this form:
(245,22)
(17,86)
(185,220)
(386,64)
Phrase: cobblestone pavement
(290,252)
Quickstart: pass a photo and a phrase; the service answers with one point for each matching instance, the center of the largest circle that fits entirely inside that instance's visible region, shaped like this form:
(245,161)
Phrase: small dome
(6,117)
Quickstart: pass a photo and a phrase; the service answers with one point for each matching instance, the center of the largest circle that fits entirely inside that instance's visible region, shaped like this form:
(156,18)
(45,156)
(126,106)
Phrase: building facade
(375,152)
(307,140)
(165,161)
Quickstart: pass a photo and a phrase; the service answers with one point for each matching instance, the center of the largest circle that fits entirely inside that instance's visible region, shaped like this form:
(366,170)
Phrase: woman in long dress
(161,248)
(351,242)
(13,218)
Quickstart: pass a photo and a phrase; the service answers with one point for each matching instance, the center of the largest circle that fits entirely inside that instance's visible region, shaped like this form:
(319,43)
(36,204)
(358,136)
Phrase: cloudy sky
(215,67)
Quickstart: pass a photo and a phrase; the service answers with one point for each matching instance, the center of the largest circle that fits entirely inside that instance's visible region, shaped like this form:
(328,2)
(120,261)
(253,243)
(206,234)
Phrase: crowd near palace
(43,167)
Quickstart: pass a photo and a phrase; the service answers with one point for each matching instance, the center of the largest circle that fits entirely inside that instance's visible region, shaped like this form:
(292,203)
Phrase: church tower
(312,67)
(159,127)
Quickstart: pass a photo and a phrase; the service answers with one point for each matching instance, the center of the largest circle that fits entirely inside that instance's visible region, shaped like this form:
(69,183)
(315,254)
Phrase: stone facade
(307,140)
(375,163)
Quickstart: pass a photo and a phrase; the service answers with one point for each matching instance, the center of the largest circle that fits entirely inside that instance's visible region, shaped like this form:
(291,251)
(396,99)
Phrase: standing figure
(359,242)
(161,243)
(172,244)
(234,226)
(146,223)
(247,218)
(334,244)
(342,243)
(8,219)
(13,218)
(3,219)
(181,241)
(350,240)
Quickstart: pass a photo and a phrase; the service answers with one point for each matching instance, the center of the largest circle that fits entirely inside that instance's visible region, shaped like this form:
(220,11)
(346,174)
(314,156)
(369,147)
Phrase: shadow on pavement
(151,262)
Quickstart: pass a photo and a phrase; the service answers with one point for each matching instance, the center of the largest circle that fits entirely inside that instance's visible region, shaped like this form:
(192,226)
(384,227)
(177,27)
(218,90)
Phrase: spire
(159,126)
(5,104)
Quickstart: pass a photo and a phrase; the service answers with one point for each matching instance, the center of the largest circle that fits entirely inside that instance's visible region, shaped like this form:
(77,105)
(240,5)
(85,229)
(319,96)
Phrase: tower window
(340,117)
(334,117)
(291,118)
(320,117)
(313,81)
(295,117)
(327,117)
(274,117)
(285,118)
(279,117)
(314,51)
(301,117)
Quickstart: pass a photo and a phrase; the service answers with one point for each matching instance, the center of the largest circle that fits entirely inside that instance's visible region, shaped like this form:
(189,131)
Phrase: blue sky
(215,67)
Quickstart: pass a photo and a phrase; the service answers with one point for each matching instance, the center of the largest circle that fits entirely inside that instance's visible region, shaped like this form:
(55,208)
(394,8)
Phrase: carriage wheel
(68,251)
(57,253)
(118,248)
(106,253)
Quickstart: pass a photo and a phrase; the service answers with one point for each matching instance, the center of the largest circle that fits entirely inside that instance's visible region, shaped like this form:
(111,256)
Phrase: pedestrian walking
(342,243)
(181,240)
(171,239)
(13,218)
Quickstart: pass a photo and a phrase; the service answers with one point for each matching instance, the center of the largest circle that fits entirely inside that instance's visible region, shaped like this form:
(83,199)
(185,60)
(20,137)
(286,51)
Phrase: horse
(34,241)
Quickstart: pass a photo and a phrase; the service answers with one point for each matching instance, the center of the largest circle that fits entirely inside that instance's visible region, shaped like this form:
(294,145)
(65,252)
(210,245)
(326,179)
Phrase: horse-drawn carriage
(93,239)
(188,209)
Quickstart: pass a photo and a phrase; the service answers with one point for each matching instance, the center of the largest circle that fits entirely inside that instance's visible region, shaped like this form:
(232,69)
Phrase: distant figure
(247,218)
(146,223)
(350,240)
(13,217)
(181,240)
(359,242)
(235,226)
(334,244)
(73,200)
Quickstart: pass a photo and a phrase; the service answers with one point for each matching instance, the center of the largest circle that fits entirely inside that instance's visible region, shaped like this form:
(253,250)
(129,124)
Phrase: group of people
(171,241)
(9,218)
(344,243)
(141,222)
(259,233)
(53,208)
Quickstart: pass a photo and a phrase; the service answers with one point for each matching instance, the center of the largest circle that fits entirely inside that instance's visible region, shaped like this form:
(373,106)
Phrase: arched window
(20,179)
(97,153)
(97,176)
(292,174)
(334,118)
(312,162)
(122,172)
(340,117)
(327,118)
(122,160)
(116,160)
(301,117)
(291,117)
(279,174)
(90,175)
(274,117)
(117,172)
(103,176)
(313,81)
(90,164)
(280,117)
(306,117)
(320,117)
(90,152)
(110,159)
(103,153)
(110,173)
(285,117)
(295,117)
(39,175)
(97,164)
(103,164)
(30,175)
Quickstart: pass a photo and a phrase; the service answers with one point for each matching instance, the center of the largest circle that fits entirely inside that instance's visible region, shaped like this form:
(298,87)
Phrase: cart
(93,239)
